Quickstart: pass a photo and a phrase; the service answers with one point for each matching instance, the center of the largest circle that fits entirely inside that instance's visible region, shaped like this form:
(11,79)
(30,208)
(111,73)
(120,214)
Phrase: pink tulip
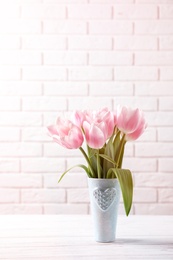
(78,118)
(108,118)
(138,132)
(102,116)
(95,134)
(66,134)
(98,127)
(131,122)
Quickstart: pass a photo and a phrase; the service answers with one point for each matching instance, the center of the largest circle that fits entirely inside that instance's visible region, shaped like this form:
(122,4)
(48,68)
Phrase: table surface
(71,237)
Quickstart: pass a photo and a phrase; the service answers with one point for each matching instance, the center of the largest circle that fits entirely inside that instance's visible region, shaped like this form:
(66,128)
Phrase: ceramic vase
(104,201)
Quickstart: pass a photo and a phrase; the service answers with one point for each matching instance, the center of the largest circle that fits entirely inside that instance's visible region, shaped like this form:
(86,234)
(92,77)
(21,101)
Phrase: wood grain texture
(71,237)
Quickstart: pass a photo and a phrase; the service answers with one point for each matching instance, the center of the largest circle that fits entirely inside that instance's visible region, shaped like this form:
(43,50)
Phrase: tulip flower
(95,134)
(140,129)
(108,118)
(131,122)
(66,134)
(78,118)
(98,127)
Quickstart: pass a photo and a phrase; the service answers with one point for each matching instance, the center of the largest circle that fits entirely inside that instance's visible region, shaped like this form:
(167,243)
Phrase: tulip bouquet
(105,134)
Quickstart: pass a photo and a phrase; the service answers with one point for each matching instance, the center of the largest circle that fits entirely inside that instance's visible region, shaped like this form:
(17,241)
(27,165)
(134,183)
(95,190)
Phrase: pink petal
(75,138)
(135,135)
(63,126)
(77,118)
(52,130)
(128,120)
(94,136)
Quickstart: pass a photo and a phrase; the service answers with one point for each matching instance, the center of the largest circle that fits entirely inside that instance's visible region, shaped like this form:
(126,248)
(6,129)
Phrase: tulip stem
(121,151)
(98,166)
(88,161)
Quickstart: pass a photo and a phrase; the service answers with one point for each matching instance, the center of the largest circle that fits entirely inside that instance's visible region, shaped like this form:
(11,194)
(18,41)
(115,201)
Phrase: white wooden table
(71,237)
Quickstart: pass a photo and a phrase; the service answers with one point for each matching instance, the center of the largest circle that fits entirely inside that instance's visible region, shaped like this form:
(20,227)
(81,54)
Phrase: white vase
(104,201)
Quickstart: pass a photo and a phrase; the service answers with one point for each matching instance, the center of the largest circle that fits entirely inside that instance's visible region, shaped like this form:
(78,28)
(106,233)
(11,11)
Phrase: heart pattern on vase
(104,198)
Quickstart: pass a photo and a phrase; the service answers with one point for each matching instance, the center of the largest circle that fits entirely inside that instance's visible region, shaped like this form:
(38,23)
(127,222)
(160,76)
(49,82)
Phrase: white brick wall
(60,55)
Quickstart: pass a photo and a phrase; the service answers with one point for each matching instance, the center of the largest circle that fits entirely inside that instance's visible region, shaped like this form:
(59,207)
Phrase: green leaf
(102,151)
(92,158)
(110,148)
(121,155)
(99,168)
(90,166)
(109,151)
(108,159)
(120,151)
(126,183)
(116,145)
(79,165)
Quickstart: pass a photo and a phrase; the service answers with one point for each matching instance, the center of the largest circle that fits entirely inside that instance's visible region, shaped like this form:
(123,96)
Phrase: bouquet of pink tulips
(105,134)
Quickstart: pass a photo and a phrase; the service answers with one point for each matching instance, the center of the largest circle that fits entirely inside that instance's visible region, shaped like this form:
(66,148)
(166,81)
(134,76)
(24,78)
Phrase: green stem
(88,161)
(121,150)
(98,166)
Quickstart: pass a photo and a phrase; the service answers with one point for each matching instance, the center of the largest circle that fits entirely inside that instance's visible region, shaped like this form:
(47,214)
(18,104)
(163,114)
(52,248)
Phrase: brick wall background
(61,55)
